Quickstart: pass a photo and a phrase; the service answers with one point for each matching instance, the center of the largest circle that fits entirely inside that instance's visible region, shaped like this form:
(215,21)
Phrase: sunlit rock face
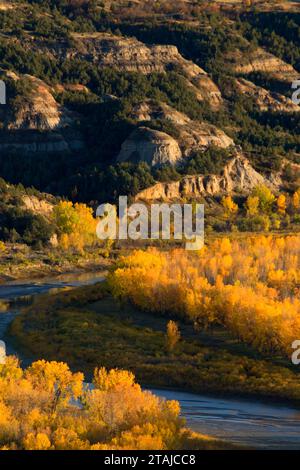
(191,135)
(259,60)
(130,55)
(265,100)
(238,176)
(150,146)
(2,352)
(36,109)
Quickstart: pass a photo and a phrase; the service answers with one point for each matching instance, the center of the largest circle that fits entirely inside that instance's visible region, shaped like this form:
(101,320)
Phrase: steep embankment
(265,100)
(237,176)
(98,91)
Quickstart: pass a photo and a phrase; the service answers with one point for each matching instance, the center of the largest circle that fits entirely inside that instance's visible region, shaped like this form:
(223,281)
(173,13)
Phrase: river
(253,423)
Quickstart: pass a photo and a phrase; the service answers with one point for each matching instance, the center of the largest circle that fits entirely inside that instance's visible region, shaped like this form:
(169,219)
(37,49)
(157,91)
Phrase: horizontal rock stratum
(238,176)
(192,135)
(131,55)
(266,100)
(259,60)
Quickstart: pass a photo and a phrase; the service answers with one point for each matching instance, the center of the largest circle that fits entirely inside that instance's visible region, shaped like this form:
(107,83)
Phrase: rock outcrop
(131,55)
(73,87)
(35,123)
(158,148)
(37,206)
(237,176)
(266,100)
(37,108)
(153,147)
(259,60)
(192,136)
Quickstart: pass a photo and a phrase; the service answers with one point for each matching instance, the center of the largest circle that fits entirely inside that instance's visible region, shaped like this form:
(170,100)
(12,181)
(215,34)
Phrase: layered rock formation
(192,136)
(34,122)
(237,176)
(150,146)
(131,55)
(259,60)
(266,100)
(37,109)
(158,148)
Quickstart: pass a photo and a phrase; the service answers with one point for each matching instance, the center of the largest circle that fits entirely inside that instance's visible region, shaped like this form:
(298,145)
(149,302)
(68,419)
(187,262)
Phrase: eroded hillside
(109,97)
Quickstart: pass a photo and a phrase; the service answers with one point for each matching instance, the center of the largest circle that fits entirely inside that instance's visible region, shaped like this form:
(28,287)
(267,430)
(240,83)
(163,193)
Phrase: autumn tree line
(71,226)
(262,211)
(250,287)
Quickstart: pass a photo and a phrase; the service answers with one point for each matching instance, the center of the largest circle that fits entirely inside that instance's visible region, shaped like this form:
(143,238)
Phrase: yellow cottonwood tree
(281,204)
(172,335)
(252,205)
(249,286)
(296,199)
(229,205)
(76,224)
(265,196)
(115,414)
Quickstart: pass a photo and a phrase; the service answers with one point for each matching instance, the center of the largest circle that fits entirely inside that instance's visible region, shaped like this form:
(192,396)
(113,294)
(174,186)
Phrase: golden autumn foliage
(76,224)
(265,196)
(48,407)
(229,206)
(252,205)
(250,287)
(281,204)
(296,200)
(172,336)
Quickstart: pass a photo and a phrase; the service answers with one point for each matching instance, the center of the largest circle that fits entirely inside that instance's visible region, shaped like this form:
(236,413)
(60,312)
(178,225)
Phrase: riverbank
(19,262)
(88,328)
(252,422)
(14,295)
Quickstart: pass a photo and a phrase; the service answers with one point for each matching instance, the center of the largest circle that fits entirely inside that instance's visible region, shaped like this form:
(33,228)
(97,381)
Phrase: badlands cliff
(130,55)
(35,123)
(158,148)
(238,176)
